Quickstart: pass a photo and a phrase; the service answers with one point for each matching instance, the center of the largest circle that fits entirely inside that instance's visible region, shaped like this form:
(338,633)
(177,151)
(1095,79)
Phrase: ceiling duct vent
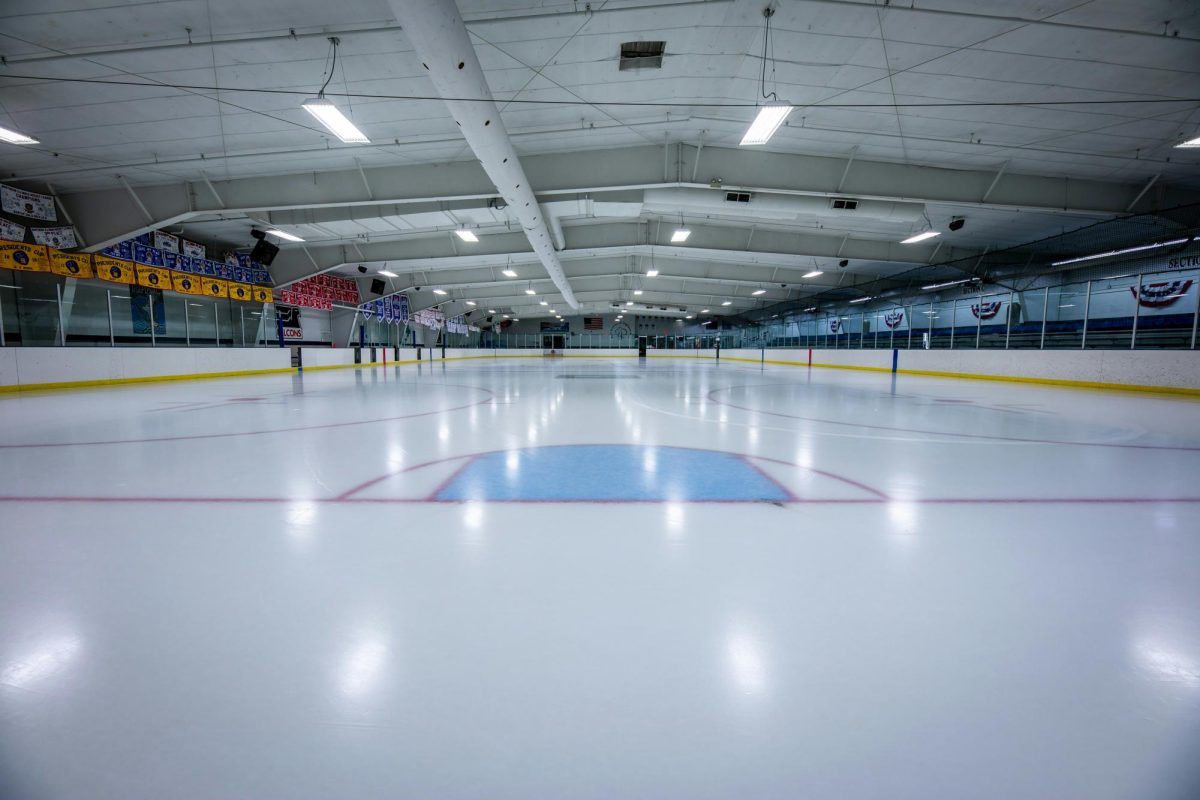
(737,197)
(843,204)
(641,55)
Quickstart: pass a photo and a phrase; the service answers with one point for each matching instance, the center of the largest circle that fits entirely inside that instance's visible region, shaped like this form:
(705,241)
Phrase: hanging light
(329,114)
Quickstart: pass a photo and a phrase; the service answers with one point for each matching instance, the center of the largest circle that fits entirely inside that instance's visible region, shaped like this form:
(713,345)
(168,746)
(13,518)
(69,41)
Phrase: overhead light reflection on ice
(362,666)
(48,657)
(1167,665)
(746,663)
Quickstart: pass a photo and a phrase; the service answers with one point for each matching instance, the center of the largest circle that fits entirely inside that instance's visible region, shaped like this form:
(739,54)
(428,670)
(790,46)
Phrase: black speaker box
(264,252)
(378,286)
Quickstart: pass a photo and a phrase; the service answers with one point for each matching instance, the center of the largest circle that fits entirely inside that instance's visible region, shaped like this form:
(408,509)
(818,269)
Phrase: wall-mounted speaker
(264,252)
(378,286)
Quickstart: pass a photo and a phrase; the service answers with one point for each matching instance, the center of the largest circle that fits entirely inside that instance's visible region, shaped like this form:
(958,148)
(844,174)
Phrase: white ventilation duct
(436,31)
(777,207)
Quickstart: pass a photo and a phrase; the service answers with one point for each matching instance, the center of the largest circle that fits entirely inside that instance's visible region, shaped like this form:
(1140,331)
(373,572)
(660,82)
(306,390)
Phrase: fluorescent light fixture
(491,311)
(765,124)
(861,299)
(543,303)
(919,237)
(388,274)
(689,316)
(1190,143)
(506,316)
(629,302)
(757,292)
(516,319)
(333,119)
(530,291)
(439,291)
(704,311)
(290,237)
(651,273)
(947,283)
(553,312)
(12,137)
(637,291)
(508,273)
(470,302)
(1111,253)
(727,303)
(680,235)
(813,274)
(811,308)
(466,235)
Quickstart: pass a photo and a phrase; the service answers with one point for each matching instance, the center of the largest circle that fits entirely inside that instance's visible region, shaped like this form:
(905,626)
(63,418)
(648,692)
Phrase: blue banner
(122,250)
(172,260)
(262,276)
(150,256)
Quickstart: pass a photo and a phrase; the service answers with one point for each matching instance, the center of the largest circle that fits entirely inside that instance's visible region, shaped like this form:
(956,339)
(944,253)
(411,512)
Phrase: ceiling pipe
(437,32)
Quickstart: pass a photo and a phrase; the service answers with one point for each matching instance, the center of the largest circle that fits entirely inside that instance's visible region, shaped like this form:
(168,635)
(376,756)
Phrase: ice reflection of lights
(903,516)
(746,663)
(301,512)
(531,434)
(752,435)
(650,460)
(48,657)
(363,666)
(1168,666)
(512,464)
(674,513)
(443,433)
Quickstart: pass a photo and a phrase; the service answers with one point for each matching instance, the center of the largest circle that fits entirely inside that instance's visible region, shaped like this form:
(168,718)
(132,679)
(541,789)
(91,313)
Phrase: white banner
(27,204)
(193,250)
(165,241)
(55,237)
(11,231)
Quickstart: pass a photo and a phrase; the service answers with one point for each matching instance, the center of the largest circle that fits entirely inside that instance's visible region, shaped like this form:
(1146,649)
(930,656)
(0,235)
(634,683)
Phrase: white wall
(33,366)
(1166,368)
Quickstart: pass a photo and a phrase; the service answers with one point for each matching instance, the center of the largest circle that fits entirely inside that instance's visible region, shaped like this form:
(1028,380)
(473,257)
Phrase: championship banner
(367,309)
(115,270)
(55,237)
(242,292)
(153,277)
(12,231)
(71,265)
(191,249)
(379,308)
(165,241)
(27,204)
(186,284)
(24,257)
(121,250)
(150,256)
(215,287)
(262,294)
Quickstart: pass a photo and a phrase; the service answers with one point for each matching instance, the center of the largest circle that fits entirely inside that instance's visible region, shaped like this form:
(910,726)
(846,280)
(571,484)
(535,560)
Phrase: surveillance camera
(957,223)
(416,288)
(783,286)
(844,262)
(361,268)
(257,234)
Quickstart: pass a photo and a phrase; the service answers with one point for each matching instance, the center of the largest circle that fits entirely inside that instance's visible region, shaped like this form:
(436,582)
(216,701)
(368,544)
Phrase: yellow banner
(72,265)
(25,257)
(262,294)
(153,277)
(241,291)
(184,283)
(114,269)
(215,287)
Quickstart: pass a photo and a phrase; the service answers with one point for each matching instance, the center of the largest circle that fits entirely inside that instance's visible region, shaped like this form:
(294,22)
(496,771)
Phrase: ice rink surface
(748,583)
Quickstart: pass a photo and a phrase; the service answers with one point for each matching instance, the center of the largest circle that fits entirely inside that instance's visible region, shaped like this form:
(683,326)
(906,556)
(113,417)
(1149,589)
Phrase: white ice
(232,588)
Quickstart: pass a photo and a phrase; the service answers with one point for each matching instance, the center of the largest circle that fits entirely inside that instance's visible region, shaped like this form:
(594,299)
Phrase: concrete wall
(30,367)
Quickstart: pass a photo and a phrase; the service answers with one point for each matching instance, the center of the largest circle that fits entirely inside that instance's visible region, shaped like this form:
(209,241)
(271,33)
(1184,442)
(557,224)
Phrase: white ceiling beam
(107,216)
